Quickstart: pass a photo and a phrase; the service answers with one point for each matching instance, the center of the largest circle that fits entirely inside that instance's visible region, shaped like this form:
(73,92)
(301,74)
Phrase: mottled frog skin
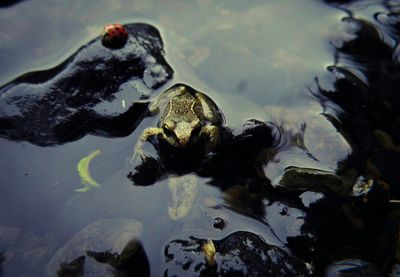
(187,116)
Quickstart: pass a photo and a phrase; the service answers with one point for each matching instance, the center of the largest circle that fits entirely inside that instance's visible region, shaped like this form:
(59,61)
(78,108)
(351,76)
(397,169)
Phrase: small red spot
(114,36)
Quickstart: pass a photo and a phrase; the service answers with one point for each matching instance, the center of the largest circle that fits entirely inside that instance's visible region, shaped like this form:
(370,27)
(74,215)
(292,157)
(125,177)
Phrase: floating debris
(209,252)
(83,170)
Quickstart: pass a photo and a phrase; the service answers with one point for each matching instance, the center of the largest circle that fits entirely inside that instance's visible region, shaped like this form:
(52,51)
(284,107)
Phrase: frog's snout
(183,132)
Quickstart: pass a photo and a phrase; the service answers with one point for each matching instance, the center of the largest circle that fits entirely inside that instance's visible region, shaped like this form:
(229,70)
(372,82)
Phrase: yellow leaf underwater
(209,252)
(83,170)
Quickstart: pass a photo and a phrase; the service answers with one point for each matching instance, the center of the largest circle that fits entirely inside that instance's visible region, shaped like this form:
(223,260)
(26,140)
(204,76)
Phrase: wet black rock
(90,93)
(239,254)
(302,179)
(131,262)
(291,226)
(371,197)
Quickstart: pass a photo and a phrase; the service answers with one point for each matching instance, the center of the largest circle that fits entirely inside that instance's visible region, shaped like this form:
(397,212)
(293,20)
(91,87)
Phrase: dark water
(277,61)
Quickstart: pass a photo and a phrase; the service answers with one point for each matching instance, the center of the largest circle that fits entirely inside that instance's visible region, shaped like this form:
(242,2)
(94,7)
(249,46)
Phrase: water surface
(257,60)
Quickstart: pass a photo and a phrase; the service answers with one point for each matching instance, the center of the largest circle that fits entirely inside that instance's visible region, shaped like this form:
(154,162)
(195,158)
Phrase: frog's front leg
(144,137)
(213,133)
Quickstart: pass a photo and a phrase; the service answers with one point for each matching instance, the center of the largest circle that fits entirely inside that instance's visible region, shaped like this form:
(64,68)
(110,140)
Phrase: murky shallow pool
(275,61)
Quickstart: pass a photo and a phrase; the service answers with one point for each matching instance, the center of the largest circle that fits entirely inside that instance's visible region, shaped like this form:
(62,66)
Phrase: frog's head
(181,122)
(188,116)
(179,134)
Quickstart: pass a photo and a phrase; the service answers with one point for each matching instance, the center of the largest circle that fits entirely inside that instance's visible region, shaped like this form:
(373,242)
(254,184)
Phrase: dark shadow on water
(235,165)
(239,254)
(2,259)
(132,261)
(74,268)
(364,106)
(370,116)
(9,3)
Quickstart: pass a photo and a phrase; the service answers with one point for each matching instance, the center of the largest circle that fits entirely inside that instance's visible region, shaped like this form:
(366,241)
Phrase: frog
(192,140)
(187,116)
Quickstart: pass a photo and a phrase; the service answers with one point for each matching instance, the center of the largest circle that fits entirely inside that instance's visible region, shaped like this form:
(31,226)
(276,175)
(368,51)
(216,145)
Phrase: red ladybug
(114,36)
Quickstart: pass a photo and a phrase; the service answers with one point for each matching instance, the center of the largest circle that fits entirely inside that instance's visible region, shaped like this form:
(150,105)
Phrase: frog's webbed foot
(139,155)
(147,169)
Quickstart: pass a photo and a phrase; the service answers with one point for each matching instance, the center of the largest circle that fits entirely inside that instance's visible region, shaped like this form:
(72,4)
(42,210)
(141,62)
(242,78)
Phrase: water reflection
(363,87)
(369,114)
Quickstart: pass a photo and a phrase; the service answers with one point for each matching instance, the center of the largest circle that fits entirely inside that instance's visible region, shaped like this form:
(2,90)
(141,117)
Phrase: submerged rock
(90,92)
(301,179)
(117,237)
(23,251)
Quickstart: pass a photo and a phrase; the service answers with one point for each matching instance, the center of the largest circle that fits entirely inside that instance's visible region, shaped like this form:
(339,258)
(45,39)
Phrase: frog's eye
(170,125)
(168,128)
